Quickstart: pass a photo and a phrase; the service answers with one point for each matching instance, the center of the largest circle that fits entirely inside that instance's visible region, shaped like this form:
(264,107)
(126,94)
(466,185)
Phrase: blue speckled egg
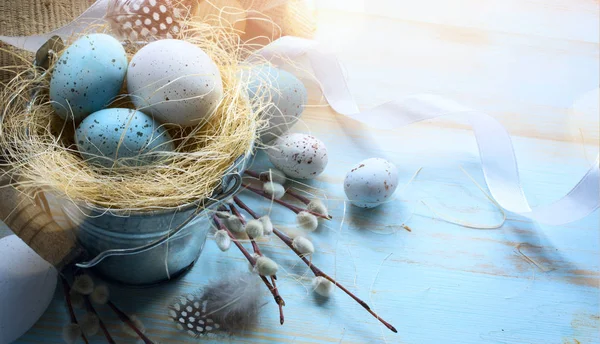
(127,137)
(284,90)
(371,182)
(87,76)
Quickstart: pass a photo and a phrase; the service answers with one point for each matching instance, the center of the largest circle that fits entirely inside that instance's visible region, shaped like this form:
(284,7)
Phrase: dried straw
(40,150)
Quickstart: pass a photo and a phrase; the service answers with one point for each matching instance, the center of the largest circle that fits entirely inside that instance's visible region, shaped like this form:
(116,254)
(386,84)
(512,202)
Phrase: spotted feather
(146,20)
(229,305)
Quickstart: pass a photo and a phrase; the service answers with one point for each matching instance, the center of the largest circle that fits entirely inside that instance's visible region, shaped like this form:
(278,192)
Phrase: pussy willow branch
(281,303)
(267,178)
(278,299)
(237,213)
(124,318)
(315,270)
(120,314)
(90,308)
(297,196)
(284,203)
(256,249)
(66,290)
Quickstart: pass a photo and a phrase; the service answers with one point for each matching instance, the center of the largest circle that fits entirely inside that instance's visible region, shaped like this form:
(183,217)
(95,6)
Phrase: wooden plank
(525,63)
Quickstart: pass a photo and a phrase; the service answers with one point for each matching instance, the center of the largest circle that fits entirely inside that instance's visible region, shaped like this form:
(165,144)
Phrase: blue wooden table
(534,66)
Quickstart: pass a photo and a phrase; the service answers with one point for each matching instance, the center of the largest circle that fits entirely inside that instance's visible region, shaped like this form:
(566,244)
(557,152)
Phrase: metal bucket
(141,248)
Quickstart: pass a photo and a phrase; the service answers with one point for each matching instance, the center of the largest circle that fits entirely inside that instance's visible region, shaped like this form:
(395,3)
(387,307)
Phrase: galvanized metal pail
(141,248)
(149,247)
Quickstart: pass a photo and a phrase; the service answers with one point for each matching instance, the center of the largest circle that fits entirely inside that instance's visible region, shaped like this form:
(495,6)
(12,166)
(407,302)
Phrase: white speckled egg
(175,81)
(87,76)
(299,155)
(27,284)
(286,93)
(371,182)
(125,136)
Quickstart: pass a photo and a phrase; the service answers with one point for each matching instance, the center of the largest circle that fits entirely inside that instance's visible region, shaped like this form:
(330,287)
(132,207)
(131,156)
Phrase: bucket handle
(135,250)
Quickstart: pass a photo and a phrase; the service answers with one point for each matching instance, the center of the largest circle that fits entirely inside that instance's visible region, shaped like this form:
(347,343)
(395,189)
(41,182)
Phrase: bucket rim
(237,183)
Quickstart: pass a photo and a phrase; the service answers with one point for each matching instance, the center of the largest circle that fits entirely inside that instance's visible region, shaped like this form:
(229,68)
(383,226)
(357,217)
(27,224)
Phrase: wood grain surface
(531,64)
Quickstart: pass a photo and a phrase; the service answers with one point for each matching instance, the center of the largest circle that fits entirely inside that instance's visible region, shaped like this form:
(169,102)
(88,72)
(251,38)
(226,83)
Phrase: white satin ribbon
(498,160)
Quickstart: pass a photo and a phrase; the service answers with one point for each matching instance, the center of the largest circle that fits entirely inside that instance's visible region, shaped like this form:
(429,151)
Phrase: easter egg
(286,94)
(27,284)
(126,136)
(371,182)
(87,76)
(298,155)
(175,81)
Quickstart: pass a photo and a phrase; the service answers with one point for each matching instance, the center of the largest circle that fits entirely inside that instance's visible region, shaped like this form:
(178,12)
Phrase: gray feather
(229,305)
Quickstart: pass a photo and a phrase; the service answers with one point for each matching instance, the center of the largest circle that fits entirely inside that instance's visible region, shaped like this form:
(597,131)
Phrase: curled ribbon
(498,160)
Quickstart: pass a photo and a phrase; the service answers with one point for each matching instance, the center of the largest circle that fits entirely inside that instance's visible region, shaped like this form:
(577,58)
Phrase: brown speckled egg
(299,155)
(371,182)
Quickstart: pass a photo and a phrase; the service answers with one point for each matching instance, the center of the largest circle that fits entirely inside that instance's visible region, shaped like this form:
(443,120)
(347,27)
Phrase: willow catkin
(274,189)
(307,221)
(100,295)
(303,245)
(234,224)
(322,286)
(267,225)
(223,240)
(83,284)
(254,228)
(317,206)
(266,266)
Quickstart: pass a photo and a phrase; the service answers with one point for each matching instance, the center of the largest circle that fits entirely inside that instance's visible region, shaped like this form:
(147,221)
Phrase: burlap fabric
(29,17)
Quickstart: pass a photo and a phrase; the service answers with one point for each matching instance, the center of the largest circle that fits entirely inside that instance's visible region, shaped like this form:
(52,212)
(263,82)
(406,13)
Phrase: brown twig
(245,252)
(297,196)
(290,192)
(90,308)
(255,247)
(281,304)
(257,176)
(278,299)
(66,290)
(315,270)
(292,207)
(125,319)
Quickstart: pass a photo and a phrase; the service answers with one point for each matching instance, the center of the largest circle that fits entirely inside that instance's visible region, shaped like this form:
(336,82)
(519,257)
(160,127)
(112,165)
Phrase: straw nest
(41,155)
